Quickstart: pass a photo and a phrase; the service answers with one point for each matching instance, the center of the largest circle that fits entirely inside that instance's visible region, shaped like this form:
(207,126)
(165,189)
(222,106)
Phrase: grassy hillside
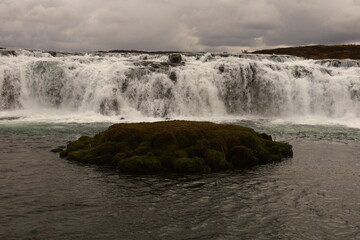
(318,51)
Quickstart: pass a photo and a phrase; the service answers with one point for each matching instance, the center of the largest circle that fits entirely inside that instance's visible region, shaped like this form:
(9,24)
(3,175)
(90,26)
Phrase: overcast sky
(189,25)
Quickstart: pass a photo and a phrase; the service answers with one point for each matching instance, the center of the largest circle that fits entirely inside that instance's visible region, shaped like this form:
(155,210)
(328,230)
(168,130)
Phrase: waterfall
(115,84)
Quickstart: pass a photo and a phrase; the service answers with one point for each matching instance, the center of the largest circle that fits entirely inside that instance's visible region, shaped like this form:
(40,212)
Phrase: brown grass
(318,51)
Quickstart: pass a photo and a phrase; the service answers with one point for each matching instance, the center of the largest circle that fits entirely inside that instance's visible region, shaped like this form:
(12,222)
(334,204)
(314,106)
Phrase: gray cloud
(212,25)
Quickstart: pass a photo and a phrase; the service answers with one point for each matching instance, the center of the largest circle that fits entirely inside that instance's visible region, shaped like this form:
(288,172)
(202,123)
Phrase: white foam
(38,87)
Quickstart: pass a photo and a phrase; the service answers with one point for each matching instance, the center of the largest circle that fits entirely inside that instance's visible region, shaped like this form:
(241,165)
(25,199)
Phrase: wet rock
(221,68)
(57,150)
(173,76)
(7,53)
(9,118)
(266,136)
(175,58)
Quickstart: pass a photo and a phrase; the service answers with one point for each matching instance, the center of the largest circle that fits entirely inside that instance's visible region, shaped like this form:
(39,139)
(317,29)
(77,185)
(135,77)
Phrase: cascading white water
(266,86)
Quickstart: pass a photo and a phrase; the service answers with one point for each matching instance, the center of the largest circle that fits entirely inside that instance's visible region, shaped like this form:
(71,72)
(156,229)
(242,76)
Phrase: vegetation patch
(178,146)
(318,51)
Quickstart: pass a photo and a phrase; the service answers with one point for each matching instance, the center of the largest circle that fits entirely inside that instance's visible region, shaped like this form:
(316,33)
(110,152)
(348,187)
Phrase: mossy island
(176,146)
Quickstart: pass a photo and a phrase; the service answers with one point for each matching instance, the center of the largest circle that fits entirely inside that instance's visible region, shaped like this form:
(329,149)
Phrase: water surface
(314,195)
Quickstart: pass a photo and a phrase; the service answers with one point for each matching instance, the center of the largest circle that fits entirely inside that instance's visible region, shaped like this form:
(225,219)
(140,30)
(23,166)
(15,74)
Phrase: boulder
(173,77)
(175,58)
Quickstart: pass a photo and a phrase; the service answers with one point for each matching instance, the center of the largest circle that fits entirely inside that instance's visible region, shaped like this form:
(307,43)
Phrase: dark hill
(318,51)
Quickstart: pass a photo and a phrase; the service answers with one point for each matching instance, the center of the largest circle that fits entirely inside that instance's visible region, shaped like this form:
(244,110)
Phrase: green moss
(198,149)
(79,155)
(57,150)
(118,157)
(216,159)
(162,140)
(285,149)
(83,142)
(75,146)
(142,149)
(265,136)
(140,164)
(241,156)
(180,154)
(105,148)
(63,154)
(181,146)
(188,165)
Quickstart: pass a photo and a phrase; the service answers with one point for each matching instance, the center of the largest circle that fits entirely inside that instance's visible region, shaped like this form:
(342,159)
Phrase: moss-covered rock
(57,150)
(181,146)
(140,164)
(242,156)
(188,165)
(216,159)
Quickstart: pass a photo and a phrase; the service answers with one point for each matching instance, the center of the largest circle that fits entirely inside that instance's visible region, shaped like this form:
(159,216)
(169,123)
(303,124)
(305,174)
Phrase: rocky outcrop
(175,58)
(178,146)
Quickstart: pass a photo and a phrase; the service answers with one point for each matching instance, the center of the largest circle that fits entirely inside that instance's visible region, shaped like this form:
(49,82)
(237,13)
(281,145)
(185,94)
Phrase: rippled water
(314,195)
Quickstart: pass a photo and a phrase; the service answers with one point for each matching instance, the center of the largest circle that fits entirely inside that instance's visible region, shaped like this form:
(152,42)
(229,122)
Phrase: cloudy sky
(189,25)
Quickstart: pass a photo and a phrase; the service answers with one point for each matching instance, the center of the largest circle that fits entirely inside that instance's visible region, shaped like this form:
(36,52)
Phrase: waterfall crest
(119,83)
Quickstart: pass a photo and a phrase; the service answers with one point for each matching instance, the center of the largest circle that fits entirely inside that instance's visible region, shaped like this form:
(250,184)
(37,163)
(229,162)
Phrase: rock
(266,136)
(7,52)
(9,118)
(177,146)
(57,150)
(173,77)
(175,58)
(188,165)
(140,164)
(216,159)
(221,68)
(242,156)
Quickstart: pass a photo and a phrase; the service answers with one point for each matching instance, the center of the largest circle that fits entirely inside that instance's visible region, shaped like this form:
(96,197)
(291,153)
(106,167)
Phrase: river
(48,99)
(314,195)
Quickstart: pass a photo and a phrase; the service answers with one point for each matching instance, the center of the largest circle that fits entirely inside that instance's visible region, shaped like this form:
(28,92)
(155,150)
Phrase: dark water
(315,195)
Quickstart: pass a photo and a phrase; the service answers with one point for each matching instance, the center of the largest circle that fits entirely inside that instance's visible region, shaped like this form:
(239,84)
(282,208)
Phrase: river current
(48,99)
(314,195)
